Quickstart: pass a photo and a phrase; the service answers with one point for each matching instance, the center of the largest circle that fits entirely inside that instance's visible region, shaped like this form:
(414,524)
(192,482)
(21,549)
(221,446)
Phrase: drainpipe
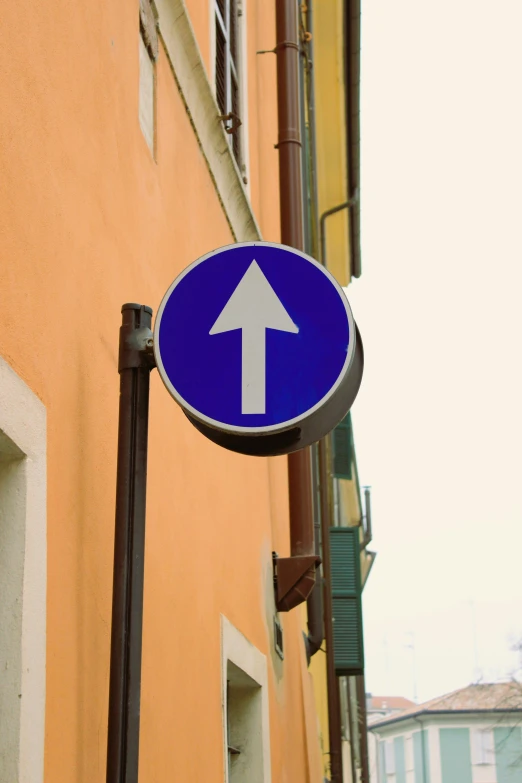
(295,575)
(350,725)
(363,727)
(352,20)
(314,608)
(314,602)
(289,137)
(333,211)
(332,683)
(367,518)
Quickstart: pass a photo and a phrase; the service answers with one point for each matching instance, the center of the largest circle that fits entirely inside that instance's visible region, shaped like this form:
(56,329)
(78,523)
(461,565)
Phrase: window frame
(389,757)
(409,756)
(234,69)
(23,427)
(482,747)
(148,46)
(241,655)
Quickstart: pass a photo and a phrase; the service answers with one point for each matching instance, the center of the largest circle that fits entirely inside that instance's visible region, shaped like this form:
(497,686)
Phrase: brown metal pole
(135,364)
(332,682)
(291,209)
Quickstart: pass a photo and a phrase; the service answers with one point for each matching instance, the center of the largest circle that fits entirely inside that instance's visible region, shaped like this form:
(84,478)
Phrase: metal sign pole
(136,360)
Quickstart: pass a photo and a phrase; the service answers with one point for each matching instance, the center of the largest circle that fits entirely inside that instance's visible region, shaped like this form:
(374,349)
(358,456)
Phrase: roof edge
(428,713)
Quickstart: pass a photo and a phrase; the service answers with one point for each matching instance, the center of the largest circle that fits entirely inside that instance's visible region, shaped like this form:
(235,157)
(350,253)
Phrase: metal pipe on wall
(332,682)
(289,133)
(322,221)
(291,211)
(350,724)
(352,23)
(314,602)
(367,517)
(363,727)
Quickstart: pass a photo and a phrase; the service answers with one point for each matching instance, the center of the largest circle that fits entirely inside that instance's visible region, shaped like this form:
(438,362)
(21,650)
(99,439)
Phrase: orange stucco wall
(88,222)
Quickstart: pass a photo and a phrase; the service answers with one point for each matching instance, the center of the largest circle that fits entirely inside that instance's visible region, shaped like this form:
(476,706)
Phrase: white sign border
(272,428)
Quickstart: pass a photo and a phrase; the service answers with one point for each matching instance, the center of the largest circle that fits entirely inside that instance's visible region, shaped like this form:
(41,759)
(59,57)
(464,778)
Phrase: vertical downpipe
(332,682)
(363,728)
(291,208)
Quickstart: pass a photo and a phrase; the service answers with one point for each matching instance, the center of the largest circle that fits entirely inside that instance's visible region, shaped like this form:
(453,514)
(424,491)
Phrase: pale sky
(438,421)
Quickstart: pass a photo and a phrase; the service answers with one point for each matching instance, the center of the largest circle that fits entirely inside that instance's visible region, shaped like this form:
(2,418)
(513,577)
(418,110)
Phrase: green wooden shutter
(455,755)
(508,753)
(346,600)
(342,446)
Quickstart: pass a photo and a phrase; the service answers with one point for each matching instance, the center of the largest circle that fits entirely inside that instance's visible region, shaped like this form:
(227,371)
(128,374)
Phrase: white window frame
(23,425)
(482,747)
(241,74)
(409,754)
(147,96)
(148,55)
(389,757)
(236,649)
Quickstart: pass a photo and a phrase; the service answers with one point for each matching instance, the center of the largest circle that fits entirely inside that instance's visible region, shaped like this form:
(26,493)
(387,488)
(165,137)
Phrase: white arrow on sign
(253,307)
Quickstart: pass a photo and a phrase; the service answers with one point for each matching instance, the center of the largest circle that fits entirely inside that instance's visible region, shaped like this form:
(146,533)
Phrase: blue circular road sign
(258,345)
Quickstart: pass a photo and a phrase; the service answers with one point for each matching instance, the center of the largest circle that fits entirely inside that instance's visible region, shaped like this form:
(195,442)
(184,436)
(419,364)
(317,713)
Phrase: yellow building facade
(335,51)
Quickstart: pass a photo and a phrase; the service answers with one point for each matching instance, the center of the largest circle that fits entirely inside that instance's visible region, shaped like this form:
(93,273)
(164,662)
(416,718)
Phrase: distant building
(472,735)
(377,708)
(381,706)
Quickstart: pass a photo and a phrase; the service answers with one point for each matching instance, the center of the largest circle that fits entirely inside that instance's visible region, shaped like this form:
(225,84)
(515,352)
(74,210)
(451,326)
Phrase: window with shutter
(228,69)
(389,757)
(346,600)
(476,747)
(482,747)
(489,746)
(148,53)
(343,449)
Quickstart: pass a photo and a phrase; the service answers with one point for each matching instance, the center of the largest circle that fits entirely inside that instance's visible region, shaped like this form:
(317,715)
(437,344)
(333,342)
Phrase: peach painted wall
(88,222)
